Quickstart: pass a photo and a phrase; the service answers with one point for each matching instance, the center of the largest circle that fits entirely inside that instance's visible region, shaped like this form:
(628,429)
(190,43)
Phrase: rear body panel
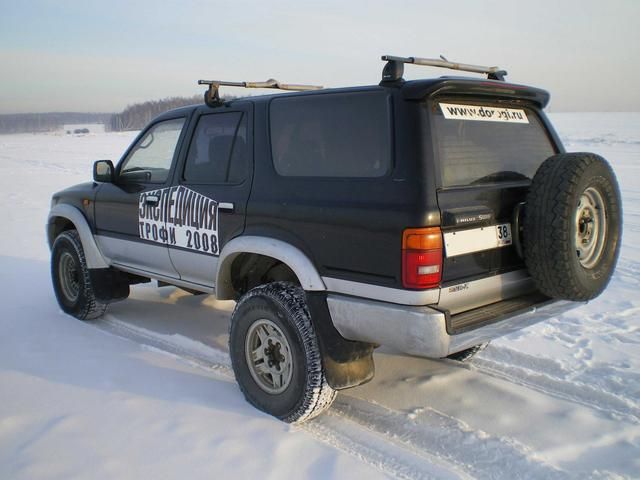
(484,169)
(351,228)
(483,173)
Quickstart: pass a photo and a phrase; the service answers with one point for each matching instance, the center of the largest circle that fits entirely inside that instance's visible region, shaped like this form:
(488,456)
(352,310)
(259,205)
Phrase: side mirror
(103,171)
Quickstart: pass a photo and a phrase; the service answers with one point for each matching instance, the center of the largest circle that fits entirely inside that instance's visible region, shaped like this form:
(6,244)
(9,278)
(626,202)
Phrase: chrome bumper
(422,331)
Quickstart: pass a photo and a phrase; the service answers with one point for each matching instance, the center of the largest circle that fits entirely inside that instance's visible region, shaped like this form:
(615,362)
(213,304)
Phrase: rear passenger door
(211,191)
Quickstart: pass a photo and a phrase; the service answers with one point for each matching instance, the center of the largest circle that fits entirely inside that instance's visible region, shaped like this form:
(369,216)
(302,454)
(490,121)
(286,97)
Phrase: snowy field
(147,392)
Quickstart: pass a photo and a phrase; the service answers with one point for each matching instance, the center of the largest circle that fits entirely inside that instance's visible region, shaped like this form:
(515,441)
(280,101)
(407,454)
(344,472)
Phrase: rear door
(486,154)
(211,192)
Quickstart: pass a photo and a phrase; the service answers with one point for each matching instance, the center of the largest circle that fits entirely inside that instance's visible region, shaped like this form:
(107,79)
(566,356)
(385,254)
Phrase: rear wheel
(572,226)
(71,280)
(275,353)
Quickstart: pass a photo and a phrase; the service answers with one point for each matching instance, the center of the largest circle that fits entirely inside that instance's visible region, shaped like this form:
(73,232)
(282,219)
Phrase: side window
(218,151)
(332,135)
(151,158)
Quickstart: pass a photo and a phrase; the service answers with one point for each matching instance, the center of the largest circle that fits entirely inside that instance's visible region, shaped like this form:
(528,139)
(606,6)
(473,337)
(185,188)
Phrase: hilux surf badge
(179,217)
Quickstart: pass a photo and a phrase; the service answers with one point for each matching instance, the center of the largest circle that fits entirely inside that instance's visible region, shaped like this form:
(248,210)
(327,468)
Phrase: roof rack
(212,97)
(394,68)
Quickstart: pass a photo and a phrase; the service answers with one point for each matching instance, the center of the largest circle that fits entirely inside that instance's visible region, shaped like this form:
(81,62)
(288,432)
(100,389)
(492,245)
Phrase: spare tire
(572,226)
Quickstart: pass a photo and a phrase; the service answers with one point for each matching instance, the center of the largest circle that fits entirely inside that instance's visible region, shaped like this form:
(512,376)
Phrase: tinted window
(332,135)
(218,150)
(151,158)
(473,151)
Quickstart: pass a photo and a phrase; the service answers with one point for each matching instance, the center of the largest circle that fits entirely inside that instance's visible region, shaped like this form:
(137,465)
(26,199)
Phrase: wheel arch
(291,256)
(61,217)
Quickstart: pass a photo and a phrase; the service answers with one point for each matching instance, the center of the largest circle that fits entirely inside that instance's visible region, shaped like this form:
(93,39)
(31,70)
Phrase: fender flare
(92,253)
(293,257)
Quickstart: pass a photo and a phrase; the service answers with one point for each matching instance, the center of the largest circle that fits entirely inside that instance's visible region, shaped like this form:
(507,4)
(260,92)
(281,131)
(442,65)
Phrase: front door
(211,191)
(130,228)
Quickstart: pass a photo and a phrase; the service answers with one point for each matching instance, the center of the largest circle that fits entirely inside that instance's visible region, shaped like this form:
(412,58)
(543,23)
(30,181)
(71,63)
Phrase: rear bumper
(422,331)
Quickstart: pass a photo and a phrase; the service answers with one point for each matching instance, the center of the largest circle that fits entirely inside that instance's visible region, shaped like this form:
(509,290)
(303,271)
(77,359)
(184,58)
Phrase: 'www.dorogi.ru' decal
(453,111)
(180,218)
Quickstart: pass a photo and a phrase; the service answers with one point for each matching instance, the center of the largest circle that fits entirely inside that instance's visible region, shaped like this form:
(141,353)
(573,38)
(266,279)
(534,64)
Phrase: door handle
(151,199)
(225,207)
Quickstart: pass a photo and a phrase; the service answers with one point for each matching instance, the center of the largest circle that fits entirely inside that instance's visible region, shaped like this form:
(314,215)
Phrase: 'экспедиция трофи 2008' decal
(180,218)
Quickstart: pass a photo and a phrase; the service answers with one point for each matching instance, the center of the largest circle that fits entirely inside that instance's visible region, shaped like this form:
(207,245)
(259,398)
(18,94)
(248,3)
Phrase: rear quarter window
(479,143)
(332,135)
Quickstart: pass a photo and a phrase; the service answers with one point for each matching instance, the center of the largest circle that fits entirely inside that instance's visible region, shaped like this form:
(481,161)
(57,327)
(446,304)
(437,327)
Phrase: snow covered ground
(147,392)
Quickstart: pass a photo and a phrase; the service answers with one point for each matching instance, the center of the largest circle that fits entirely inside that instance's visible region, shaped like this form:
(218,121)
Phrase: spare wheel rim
(591,227)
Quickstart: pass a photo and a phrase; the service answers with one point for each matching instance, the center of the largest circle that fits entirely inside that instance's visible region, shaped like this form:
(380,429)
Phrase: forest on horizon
(133,117)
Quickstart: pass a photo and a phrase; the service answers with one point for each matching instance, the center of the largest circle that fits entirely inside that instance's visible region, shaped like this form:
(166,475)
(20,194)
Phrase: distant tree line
(47,122)
(134,117)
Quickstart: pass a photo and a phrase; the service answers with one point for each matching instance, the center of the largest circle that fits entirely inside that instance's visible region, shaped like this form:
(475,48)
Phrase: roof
(415,90)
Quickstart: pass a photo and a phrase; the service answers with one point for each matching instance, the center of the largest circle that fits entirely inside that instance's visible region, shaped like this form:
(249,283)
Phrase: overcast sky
(101,56)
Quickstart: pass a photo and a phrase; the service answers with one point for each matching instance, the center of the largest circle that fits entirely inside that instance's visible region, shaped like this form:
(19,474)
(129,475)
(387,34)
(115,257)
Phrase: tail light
(421,257)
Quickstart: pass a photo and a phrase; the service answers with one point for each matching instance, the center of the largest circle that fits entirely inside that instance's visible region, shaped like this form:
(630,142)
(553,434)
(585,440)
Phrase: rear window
(331,135)
(480,143)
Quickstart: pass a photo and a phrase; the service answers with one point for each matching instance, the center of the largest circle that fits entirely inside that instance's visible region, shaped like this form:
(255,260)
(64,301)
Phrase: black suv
(431,216)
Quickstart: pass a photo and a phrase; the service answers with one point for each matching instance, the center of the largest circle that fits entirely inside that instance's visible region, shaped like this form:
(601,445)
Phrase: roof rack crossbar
(271,83)
(212,97)
(494,73)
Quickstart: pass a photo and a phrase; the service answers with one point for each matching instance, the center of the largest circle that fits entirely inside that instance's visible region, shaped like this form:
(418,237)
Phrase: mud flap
(109,285)
(346,363)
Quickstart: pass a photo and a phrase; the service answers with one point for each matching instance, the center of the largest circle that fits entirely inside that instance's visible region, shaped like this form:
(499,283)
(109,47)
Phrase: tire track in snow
(476,453)
(183,348)
(516,367)
(404,446)
(378,450)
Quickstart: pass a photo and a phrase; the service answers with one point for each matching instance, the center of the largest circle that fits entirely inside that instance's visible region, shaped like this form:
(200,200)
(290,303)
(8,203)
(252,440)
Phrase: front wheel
(275,354)
(71,280)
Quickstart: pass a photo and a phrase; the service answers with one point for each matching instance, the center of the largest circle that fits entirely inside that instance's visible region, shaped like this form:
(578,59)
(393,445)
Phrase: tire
(288,380)
(572,226)
(467,354)
(71,280)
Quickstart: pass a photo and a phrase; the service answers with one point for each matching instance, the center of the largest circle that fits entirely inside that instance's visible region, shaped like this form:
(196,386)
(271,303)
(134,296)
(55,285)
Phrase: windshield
(478,143)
